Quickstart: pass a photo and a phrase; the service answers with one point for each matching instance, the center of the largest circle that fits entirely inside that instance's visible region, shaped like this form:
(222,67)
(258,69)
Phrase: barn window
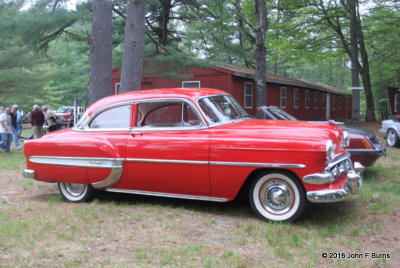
(340,102)
(283,97)
(334,101)
(248,95)
(190,83)
(117,88)
(296,98)
(396,102)
(316,100)
(324,97)
(307,99)
(347,102)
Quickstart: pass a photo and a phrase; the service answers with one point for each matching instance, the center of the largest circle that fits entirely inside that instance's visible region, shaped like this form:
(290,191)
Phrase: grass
(134,231)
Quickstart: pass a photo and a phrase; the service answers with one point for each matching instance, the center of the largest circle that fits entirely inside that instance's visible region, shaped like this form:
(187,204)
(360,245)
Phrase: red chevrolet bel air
(196,144)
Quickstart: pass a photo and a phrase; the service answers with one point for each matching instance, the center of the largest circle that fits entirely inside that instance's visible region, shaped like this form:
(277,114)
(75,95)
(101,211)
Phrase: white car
(391,131)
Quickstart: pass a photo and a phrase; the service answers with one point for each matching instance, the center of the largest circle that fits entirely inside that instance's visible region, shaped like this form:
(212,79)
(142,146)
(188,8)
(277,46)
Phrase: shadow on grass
(323,215)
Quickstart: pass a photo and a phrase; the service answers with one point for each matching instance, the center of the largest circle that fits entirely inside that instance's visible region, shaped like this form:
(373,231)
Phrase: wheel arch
(244,189)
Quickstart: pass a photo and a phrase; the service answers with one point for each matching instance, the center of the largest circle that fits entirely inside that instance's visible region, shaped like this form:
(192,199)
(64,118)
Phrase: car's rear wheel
(76,192)
(277,196)
(392,139)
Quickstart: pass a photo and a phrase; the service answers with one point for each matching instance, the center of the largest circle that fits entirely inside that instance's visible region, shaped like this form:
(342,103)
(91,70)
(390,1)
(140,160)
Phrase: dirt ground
(386,238)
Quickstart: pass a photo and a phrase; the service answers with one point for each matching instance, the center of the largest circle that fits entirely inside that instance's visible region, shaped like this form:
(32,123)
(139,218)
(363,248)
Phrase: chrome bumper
(354,177)
(28,173)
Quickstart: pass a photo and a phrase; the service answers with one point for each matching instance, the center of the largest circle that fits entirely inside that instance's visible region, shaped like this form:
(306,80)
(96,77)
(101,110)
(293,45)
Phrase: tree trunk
(163,20)
(132,62)
(260,56)
(365,74)
(355,70)
(100,43)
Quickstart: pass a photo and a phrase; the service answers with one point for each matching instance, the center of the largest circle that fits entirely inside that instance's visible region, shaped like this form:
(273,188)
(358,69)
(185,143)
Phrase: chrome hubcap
(276,197)
(75,189)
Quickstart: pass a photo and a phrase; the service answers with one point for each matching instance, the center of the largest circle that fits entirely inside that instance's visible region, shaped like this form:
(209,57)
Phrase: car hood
(284,134)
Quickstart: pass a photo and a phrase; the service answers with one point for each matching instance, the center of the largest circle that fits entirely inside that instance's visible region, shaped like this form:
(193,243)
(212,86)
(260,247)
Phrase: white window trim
(294,98)
(244,95)
(281,98)
(307,97)
(183,82)
(117,88)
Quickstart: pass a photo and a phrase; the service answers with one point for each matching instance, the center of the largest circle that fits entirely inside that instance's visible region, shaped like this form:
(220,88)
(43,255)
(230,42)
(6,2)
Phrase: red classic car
(66,115)
(195,144)
(364,146)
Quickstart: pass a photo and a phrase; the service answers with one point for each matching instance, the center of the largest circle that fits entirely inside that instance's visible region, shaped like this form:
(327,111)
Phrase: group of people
(11,124)
(41,117)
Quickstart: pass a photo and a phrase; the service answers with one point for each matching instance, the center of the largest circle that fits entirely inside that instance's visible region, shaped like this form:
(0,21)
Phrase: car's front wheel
(277,196)
(76,192)
(392,139)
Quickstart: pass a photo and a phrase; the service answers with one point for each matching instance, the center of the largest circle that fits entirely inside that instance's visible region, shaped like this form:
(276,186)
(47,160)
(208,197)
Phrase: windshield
(64,110)
(279,114)
(222,109)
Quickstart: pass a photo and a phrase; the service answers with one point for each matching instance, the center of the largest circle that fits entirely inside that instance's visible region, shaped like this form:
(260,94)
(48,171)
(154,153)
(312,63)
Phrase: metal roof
(272,78)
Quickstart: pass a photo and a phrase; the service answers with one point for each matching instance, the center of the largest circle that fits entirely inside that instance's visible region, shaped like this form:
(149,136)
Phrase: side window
(296,101)
(117,117)
(248,95)
(190,84)
(307,99)
(283,97)
(166,115)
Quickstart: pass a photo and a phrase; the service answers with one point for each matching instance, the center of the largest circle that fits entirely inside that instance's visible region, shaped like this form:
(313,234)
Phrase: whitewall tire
(277,196)
(75,192)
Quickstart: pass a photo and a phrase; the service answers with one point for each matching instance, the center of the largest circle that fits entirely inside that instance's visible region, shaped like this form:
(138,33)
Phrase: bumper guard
(354,177)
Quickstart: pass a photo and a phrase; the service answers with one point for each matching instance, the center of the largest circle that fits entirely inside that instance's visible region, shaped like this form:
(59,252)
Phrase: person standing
(37,121)
(6,130)
(16,122)
(50,118)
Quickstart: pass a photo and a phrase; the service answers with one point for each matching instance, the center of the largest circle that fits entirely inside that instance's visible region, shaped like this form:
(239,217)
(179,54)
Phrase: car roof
(185,93)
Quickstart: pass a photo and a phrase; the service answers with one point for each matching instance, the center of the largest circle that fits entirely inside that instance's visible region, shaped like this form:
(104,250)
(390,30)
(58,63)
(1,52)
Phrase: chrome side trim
(166,161)
(216,163)
(28,173)
(249,164)
(91,162)
(112,179)
(191,197)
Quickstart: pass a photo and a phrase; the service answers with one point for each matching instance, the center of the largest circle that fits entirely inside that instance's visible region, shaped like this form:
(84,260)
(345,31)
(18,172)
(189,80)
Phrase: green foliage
(27,71)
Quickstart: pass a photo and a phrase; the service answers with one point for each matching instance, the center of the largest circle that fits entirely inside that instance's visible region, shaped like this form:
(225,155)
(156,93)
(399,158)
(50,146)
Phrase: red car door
(168,149)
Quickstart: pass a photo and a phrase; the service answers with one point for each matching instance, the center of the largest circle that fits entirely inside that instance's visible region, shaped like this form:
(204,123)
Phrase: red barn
(394,99)
(305,100)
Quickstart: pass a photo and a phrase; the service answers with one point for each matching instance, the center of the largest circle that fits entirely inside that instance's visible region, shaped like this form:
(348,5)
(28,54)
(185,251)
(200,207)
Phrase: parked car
(195,144)
(364,147)
(390,130)
(66,115)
